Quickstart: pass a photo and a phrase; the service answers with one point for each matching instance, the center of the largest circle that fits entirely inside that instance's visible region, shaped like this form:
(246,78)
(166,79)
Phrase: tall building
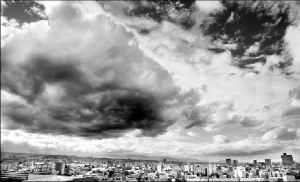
(186,168)
(228,161)
(165,161)
(287,160)
(211,168)
(255,162)
(240,172)
(159,167)
(191,168)
(206,171)
(60,167)
(268,162)
(235,163)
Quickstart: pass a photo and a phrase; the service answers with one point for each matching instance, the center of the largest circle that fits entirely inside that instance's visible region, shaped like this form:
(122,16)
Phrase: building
(43,168)
(268,162)
(255,162)
(159,167)
(211,168)
(235,163)
(240,172)
(186,168)
(60,167)
(4,167)
(228,161)
(192,168)
(14,176)
(287,160)
(165,161)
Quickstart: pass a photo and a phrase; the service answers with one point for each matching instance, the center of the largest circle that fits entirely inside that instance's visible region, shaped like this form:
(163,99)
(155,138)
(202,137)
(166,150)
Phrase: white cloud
(7,97)
(191,133)
(12,28)
(221,139)
(252,49)
(293,45)
(8,29)
(182,146)
(209,6)
(49,6)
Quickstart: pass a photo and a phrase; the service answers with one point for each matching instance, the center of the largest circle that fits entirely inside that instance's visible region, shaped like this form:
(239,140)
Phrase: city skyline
(205,80)
(34,167)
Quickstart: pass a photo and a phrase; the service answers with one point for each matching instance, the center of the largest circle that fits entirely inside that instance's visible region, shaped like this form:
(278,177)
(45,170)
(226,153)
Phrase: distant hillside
(16,157)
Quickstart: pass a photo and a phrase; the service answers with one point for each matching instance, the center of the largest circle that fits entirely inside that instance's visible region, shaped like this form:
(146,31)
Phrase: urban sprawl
(35,167)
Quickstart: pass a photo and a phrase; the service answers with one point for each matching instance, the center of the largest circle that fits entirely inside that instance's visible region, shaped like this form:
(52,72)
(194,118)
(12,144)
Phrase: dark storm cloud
(18,113)
(125,109)
(104,111)
(106,114)
(32,76)
(159,10)
(23,11)
(100,87)
(247,23)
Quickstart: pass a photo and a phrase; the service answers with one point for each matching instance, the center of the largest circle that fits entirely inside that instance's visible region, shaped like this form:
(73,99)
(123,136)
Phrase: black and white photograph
(150,90)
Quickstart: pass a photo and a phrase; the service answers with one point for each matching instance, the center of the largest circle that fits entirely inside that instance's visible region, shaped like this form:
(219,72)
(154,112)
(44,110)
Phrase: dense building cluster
(68,168)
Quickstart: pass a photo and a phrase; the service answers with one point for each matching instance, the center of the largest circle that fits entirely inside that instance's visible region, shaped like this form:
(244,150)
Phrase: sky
(204,80)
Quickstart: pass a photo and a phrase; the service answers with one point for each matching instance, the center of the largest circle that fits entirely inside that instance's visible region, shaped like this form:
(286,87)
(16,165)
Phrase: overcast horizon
(204,80)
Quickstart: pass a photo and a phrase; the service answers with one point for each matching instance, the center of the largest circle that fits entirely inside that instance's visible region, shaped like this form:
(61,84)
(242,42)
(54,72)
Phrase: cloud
(80,81)
(49,6)
(220,139)
(280,133)
(257,28)
(292,112)
(218,115)
(209,6)
(178,12)
(295,93)
(191,133)
(197,116)
(29,11)
(248,122)
(129,145)
(186,57)
(103,73)
(8,29)
(252,49)
(25,147)
(293,45)
(242,149)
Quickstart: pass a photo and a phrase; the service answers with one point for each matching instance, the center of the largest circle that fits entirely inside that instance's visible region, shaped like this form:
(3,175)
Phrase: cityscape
(150,90)
(36,167)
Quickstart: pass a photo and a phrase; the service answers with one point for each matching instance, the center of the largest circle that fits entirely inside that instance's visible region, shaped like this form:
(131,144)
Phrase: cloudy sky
(202,80)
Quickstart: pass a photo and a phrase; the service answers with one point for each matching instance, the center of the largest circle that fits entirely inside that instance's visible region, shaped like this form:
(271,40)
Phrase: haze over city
(200,80)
